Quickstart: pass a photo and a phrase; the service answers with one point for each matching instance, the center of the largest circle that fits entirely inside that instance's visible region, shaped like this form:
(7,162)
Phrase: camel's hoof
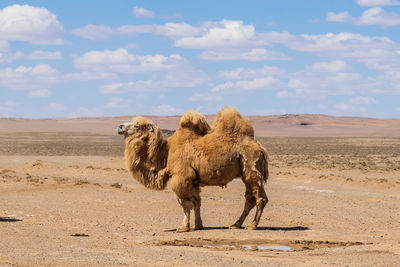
(194,228)
(251,227)
(183,229)
(234,226)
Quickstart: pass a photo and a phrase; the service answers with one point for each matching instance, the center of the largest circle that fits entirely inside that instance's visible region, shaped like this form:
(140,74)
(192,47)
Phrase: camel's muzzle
(122,128)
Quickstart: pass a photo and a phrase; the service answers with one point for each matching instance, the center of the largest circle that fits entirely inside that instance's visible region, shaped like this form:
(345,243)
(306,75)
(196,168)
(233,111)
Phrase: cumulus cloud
(323,83)
(121,60)
(206,97)
(378,2)
(38,54)
(141,12)
(94,32)
(372,16)
(40,76)
(170,30)
(31,24)
(375,52)
(359,100)
(227,33)
(340,17)
(166,110)
(254,54)
(256,84)
(89,75)
(331,66)
(243,74)
(35,55)
(126,87)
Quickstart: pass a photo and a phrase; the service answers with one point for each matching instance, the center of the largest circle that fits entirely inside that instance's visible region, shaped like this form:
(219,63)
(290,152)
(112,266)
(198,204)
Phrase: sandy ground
(67,200)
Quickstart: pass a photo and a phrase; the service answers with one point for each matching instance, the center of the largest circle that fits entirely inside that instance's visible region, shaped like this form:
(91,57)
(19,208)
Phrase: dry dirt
(66,199)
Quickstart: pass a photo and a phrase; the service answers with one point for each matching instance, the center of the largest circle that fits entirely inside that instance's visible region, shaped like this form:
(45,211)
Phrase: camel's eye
(135,126)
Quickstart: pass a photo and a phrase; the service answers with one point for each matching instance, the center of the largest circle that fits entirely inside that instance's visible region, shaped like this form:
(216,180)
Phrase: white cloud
(38,54)
(118,88)
(94,32)
(35,55)
(377,16)
(372,16)
(141,12)
(87,76)
(121,61)
(178,30)
(359,100)
(28,23)
(252,54)
(206,97)
(340,17)
(40,93)
(166,110)
(378,2)
(227,33)
(263,83)
(242,73)
(332,66)
(40,76)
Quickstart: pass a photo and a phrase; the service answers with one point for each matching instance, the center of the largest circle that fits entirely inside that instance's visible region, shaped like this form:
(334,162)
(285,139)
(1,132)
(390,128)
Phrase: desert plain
(66,198)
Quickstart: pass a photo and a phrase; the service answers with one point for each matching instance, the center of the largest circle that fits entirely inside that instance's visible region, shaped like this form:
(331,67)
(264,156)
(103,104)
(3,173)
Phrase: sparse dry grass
(83,181)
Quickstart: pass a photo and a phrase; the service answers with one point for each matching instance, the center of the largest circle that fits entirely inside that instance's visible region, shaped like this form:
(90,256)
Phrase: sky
(112,58)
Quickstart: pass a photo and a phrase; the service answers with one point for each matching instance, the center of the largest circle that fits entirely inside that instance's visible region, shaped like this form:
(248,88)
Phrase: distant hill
(301,125)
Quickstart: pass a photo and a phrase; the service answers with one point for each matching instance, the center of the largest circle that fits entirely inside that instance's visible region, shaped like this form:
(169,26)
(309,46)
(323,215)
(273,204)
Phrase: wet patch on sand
(256,244)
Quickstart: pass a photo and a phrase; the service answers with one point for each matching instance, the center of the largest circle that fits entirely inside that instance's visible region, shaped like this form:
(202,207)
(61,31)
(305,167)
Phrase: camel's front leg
(186,205)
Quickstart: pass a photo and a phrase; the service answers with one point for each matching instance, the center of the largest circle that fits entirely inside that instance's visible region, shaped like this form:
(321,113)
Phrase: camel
(198,155)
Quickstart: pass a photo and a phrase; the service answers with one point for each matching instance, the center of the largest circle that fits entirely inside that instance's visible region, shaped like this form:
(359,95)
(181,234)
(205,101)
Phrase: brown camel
(199,155)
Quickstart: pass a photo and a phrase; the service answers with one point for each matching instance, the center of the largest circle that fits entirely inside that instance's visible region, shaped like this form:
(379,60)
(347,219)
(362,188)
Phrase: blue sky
(111,58)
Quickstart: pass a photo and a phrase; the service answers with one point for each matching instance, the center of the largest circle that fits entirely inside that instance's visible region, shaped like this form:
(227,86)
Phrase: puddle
(281,248)
(255,245)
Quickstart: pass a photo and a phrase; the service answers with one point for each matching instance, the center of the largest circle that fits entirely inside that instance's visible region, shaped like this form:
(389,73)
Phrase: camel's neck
(147,163)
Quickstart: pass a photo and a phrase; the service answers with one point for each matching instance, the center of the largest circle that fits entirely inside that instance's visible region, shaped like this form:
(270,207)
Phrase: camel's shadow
(291,228)
(8,219)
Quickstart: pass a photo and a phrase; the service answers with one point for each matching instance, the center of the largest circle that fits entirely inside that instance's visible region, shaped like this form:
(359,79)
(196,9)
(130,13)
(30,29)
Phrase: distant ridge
(301,125)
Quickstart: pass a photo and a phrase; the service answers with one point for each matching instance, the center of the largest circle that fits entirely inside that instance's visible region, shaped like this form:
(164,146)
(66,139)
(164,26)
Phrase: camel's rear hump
(230,122)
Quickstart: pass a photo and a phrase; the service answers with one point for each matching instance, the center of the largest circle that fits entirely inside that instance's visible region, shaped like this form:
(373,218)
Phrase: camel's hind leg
(254,174)
(248,206)
(261,201)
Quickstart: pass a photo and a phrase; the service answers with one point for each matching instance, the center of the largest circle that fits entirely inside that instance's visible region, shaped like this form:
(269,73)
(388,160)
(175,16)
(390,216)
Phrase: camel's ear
(150,127)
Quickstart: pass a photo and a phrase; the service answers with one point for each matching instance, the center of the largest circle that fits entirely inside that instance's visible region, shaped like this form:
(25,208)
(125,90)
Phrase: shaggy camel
(199,155)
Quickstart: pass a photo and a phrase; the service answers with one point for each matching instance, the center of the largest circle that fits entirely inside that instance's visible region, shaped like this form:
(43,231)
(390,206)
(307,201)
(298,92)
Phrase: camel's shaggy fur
(199,155)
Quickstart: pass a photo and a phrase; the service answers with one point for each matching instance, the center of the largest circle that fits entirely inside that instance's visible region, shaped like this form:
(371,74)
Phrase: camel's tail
(266,160)
(195,121)
(230,122)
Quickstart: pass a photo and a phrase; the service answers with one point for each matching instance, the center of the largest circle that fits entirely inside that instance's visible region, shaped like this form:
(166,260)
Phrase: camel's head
(138,128)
